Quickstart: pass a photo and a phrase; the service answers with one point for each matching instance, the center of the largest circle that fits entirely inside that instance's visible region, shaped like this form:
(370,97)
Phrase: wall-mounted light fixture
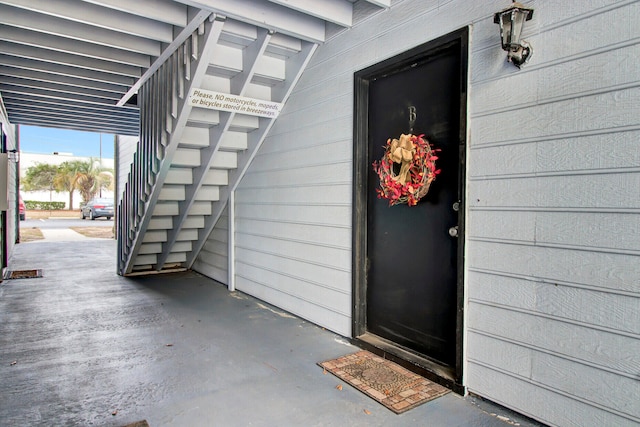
(14,156)
(511,21)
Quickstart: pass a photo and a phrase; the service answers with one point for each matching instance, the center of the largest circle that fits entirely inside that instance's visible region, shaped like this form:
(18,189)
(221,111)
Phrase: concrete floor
(82,346)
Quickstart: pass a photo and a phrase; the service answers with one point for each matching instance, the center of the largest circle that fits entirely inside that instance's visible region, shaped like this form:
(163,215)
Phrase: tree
(40,177)
(66,176)
(91,177)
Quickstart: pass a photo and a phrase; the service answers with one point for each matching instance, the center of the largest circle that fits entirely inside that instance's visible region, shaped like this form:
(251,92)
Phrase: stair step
(225,160)
(155,236)
(244,123)
(189,234)
(216,177)
(203,116)
(160,223)
(150,248)
(208,193)
(166,209)
(182,176)
(146,259)
(194,222)
(188,157)
(199,137)
(200,208)
(182,246)
(176,257)
(172,192)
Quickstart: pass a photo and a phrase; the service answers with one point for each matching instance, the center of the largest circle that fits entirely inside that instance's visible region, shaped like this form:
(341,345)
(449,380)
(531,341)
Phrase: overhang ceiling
(77,64)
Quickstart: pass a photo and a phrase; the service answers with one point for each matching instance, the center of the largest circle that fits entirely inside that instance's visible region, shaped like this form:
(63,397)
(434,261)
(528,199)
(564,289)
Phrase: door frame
(429,368)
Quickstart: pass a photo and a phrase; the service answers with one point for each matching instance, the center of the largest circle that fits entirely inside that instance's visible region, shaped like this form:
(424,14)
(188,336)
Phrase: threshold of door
(410,360)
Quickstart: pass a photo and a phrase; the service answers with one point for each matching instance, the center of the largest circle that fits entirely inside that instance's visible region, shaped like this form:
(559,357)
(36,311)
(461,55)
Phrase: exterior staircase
(190,159)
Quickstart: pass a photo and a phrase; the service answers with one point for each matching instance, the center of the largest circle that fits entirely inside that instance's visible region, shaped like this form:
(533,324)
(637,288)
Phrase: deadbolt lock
(453,231)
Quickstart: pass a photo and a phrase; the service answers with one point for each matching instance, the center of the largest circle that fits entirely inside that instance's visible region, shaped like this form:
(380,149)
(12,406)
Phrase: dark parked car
(21,208)
(97,208)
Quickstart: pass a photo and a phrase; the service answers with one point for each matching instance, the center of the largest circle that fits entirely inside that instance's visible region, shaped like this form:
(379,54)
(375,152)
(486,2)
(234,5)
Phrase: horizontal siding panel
(318,279)
(320,111)
(599,270)
(214,260)
(216,247)
(502,355)
(314,313)
(304,251)
(611,231)
(341,84)
(568,79)
(618,394)
(210,271)
(587,114)
(303,175)
(293,136)
(304,233)
(312,195)
(615,312)
(538,402)
(587,154)
(504,225)
(617,352)
(314,155)
(329,215)
(620,191)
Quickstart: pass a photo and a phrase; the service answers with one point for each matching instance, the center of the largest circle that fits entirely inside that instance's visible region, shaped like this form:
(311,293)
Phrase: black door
(413,254)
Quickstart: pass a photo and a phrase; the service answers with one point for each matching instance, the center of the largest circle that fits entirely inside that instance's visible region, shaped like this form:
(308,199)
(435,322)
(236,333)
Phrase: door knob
(453,231)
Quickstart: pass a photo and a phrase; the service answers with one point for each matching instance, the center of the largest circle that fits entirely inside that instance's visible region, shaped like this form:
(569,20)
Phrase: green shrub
(44,206)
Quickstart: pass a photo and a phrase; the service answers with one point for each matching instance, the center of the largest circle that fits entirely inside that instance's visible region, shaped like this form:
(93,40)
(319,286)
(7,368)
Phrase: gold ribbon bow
(402,152)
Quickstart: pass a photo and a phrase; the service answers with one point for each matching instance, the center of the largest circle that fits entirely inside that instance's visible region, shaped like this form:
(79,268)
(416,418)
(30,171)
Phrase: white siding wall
(212,260)
(553,284)
(126,146)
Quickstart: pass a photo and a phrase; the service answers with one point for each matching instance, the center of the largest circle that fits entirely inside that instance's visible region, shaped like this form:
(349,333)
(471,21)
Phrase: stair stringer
(164,112)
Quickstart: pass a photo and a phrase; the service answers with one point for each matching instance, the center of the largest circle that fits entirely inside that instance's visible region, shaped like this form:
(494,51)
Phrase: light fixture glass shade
(511,21)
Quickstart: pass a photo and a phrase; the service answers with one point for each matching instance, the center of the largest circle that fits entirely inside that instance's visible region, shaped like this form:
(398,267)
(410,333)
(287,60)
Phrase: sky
(42,140)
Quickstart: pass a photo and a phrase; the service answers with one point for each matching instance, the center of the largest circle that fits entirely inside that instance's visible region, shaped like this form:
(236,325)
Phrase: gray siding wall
(212,260)
(552,278)
(553,315)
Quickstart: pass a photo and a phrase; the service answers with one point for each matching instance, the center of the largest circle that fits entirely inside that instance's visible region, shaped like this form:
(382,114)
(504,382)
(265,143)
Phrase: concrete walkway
(61,235)
(82,346)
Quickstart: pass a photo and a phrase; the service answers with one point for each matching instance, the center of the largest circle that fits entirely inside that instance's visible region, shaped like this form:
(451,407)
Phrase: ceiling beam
(118,130)
(68,59)
(265,14)
(100,17)
(382,3)
(23,114)
(339,12)
(39,76)
(52,25)
(39,102)
(166,11)
(25,65)
(28,84)
(62,95)
(76,47)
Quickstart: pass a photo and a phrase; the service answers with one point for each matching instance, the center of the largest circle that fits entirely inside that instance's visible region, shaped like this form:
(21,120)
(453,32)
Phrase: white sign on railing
(234,104)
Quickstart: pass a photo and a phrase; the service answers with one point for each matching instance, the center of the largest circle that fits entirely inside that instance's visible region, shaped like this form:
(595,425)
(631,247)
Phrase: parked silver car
(97,208)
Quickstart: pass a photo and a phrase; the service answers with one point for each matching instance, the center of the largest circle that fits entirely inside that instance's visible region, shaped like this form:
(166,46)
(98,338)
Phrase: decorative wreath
(406,170)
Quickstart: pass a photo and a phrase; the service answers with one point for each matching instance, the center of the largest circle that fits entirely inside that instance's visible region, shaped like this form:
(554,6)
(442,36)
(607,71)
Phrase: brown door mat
(390,384)
(23,274)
